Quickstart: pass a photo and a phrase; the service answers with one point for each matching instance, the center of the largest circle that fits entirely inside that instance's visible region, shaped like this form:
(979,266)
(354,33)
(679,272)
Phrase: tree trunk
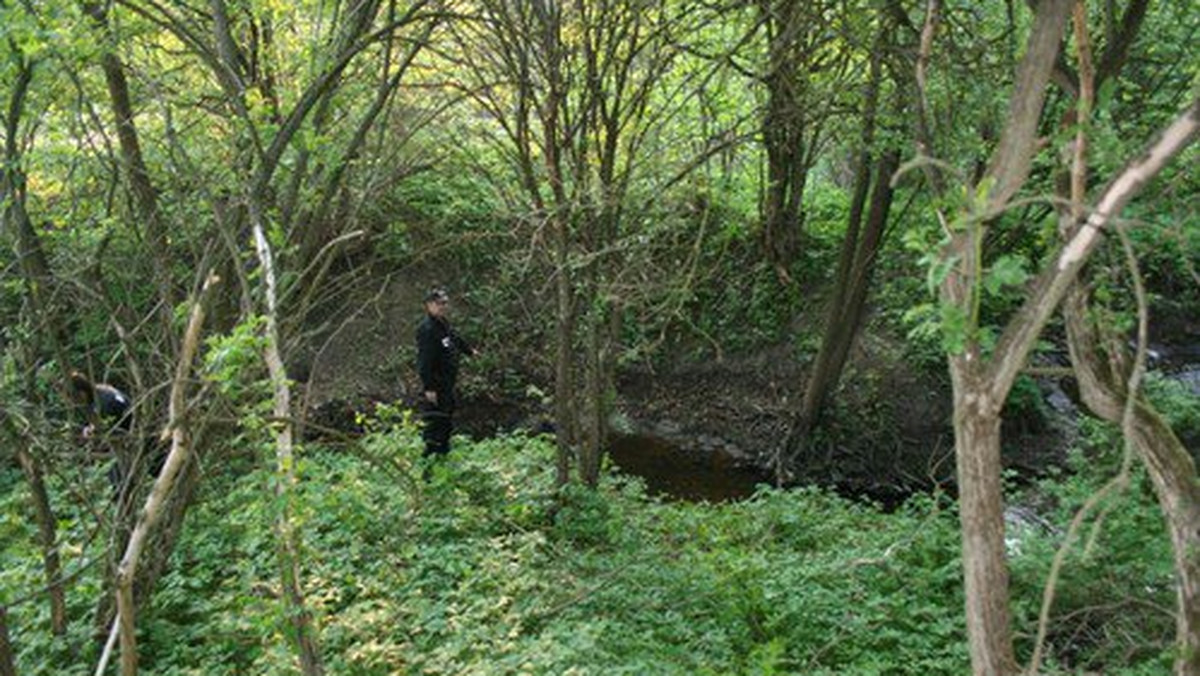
(981,385)
(856,261)
(47,537)
(288,540)
(783,131)
(177,458)
(162,541)
(981,513)
(8,662)
(134,165)
(564,369)
(848,305)
(47,526)
(591,447)
(1170,466)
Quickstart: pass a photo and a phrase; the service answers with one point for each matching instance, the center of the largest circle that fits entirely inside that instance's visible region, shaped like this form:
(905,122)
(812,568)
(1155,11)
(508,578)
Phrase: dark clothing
(438,351)
(436,427)
(112,407)
(110,411)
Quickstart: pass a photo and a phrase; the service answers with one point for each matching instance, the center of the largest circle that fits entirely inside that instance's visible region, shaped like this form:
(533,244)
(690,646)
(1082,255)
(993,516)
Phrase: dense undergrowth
(480,571)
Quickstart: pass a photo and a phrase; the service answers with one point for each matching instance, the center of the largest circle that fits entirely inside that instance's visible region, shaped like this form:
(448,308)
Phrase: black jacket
(438,350)
(111,406)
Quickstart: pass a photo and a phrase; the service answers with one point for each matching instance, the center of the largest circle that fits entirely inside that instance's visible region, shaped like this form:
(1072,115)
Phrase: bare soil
(888,432)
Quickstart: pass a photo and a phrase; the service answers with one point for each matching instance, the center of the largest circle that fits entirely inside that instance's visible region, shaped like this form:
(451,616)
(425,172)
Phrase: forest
(809,337)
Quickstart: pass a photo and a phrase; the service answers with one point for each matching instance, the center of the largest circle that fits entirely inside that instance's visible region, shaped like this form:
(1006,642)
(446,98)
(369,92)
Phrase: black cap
(437,293)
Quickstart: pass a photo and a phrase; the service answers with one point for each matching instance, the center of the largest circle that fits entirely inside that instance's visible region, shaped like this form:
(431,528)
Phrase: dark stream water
(678,472)
(674,472)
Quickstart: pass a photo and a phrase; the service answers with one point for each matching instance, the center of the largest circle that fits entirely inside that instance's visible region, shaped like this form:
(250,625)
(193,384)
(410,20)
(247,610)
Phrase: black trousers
(436,429)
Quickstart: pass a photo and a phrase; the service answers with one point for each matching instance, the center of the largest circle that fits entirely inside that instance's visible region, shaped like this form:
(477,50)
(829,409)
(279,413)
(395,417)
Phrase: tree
(177,459)
(26,31)
(260,178)
(1107,375)
(867,222)
(573,89)
(803,58)
(982,377)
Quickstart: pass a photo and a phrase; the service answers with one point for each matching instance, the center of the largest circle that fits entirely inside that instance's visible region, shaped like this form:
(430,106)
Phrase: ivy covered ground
(477,572)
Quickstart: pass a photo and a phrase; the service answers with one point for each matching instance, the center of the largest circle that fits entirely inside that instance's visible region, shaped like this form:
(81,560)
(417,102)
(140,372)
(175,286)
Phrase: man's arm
(463,346)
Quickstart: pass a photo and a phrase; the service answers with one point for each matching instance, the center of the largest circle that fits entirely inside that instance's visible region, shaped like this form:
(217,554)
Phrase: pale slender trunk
(285,467)
(177,458)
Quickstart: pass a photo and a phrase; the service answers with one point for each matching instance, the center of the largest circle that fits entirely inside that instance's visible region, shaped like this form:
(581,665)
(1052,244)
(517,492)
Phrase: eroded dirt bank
(887,433)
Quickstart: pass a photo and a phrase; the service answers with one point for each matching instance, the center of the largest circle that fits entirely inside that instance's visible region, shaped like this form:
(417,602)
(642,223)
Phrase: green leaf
(954,329)
(938,271)
(1007,271)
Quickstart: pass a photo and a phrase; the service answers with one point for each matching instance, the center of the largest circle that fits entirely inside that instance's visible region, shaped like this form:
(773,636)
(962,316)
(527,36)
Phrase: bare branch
(1052,284)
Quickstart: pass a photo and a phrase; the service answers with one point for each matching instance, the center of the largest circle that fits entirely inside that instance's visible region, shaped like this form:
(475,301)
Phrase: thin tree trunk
(592,407)
(981,385)
(288,540)
(35,267)
(136,174)
(564,370)
(157,552)
(1170,466)
(848,306)
(47,524)
(178,457)
(856,262)
(1099,371)
(566,407)
(8,663)
(783,131)
(47,537)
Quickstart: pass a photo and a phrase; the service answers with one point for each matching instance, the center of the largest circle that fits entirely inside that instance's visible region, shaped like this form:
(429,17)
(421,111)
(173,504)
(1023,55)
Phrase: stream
(675,472)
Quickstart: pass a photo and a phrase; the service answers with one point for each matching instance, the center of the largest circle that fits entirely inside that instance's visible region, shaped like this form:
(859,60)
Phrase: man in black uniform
(102,403)
(438,351)
(111,409)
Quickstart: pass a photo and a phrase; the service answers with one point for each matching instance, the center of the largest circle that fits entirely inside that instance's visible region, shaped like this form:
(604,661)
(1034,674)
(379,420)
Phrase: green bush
(1113,600)
(486,568)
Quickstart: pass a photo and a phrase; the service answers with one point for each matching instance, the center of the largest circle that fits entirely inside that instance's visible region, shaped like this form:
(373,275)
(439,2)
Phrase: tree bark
(8,663)
(848,305)
(784,132)
(564,368)
(981,385)
(981,513)
(136,174)
(1100,367)
(39,279)
(47,538)
(592,418)
(179,456)
(288,540)
(1168,463)
(43,515)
